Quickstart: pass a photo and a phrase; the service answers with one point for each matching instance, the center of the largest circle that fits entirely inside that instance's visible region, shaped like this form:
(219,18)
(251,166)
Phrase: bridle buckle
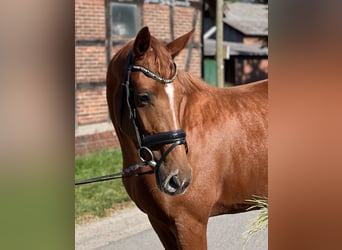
(146,155)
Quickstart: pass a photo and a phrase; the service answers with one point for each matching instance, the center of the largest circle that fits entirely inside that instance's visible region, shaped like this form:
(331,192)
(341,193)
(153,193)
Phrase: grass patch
(98,199)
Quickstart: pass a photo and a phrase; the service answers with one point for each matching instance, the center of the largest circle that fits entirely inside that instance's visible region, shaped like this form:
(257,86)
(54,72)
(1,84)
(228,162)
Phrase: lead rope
(123,174)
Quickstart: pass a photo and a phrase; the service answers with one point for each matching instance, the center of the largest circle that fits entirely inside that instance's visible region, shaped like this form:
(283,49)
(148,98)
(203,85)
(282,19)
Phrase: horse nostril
(186,184)
(174,182)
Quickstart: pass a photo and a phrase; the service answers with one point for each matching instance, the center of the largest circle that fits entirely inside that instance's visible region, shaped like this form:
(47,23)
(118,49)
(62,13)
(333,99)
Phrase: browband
(153,75)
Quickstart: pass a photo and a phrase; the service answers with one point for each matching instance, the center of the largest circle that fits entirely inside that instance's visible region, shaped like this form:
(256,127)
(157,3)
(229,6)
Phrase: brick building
(101,28)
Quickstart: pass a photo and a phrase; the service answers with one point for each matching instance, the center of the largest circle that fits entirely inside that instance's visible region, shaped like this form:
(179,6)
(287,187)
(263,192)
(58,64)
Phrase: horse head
(147,113)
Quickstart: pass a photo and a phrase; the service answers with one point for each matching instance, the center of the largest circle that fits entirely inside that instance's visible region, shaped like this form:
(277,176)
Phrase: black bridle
(145,143)
(148,143)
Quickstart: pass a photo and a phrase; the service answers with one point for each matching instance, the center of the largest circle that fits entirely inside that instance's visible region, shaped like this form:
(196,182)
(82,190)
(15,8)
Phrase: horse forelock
(159,59)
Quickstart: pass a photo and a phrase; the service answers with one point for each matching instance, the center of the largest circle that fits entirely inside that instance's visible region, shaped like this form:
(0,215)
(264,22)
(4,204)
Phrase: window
(170,2)
(124,23)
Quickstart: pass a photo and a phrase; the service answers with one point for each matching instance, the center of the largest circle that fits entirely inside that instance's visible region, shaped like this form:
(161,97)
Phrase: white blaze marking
(170,93)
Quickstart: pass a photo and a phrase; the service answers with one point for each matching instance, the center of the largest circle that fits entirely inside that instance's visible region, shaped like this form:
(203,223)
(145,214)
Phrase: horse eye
(144,98)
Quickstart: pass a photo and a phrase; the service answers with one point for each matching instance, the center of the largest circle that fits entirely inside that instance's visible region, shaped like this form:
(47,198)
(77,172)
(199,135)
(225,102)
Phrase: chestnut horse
(207,146)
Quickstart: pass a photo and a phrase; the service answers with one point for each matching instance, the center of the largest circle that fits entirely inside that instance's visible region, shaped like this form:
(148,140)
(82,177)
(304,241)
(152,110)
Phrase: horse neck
(190,84)
(191,91)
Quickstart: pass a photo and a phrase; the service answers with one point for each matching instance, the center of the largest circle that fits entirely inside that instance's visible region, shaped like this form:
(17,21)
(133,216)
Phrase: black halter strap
(146,144)
(160,139)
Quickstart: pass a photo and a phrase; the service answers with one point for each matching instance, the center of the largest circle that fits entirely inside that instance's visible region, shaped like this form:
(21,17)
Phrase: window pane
(124,21)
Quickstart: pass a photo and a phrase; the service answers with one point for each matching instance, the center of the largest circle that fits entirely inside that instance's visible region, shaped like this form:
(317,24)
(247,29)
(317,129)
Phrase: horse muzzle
(175,182)
(170,178)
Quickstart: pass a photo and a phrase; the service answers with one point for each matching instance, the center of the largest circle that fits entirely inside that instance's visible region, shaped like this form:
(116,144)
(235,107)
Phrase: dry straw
(260,222)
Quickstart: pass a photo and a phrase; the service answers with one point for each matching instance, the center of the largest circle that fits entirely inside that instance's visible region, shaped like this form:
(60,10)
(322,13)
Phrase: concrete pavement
(129,229)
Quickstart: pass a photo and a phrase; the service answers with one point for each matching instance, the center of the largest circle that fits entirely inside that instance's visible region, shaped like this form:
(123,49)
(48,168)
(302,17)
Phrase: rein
(123,174)
(145,144)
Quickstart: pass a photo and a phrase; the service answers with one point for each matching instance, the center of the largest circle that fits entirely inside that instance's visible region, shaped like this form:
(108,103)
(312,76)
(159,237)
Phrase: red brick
(92,143)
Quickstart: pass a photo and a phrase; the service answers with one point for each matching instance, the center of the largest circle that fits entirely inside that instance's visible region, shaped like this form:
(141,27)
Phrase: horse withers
(205,148)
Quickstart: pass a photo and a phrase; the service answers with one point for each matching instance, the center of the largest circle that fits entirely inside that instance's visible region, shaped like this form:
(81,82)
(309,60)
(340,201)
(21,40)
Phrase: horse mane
(190,84)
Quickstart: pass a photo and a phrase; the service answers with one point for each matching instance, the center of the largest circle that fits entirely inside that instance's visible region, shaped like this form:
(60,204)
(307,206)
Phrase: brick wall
(89,19)
(157,18)
(91,63)
(90,74)
(91,105)
(92,143)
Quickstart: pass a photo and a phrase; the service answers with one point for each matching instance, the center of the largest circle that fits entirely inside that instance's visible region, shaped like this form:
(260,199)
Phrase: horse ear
(142,42)
(177,45)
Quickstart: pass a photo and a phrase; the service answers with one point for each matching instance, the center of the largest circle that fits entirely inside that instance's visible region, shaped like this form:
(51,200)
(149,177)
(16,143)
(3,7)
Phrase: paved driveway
(129,229)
